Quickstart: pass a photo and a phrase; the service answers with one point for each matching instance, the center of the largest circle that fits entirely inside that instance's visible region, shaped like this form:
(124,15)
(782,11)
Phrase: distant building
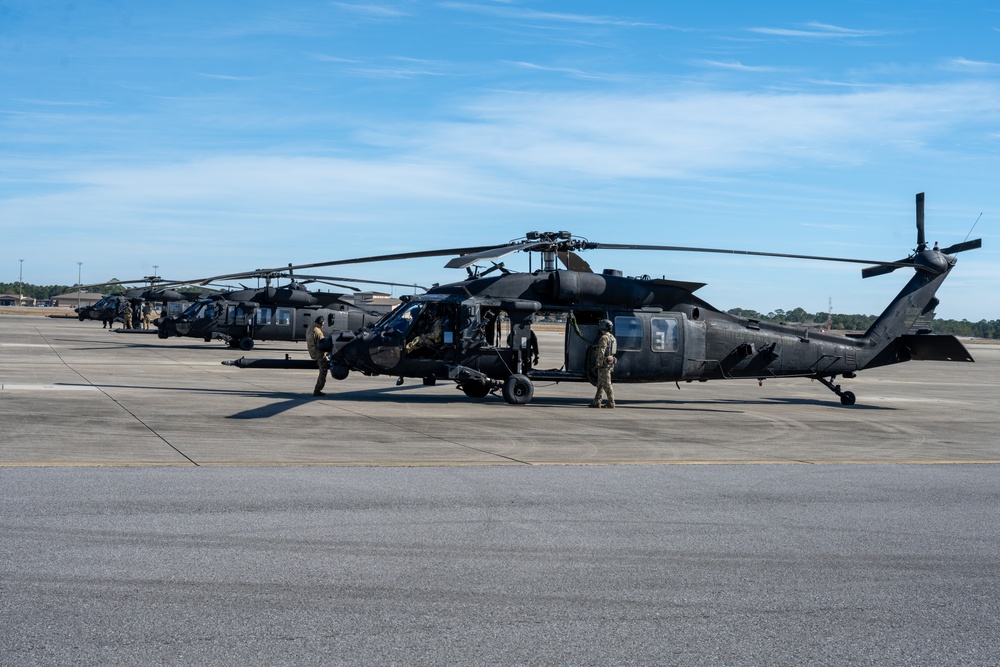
(15,300)
(72,299)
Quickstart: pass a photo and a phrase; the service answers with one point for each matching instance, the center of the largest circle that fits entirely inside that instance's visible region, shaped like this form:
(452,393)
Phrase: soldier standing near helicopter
(313,337)
(604,362)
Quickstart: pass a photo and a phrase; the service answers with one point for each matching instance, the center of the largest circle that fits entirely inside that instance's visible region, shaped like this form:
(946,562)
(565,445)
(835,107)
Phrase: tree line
(43,292)
(843,322)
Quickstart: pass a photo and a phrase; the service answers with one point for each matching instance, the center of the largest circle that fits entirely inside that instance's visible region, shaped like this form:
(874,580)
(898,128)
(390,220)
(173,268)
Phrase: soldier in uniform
(127,314)
(147,315)
(313,337)
(604,361)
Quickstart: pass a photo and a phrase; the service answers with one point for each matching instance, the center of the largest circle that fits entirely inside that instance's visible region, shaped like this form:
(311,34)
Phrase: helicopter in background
(164,299)
(664,332)
(241,317)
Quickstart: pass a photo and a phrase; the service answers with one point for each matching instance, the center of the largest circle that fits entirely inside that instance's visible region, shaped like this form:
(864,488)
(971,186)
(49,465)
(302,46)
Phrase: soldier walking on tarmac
(604,361)
(313,337)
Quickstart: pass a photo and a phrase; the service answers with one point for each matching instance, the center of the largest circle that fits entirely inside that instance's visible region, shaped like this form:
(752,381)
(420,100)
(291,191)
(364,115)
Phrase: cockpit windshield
(402,318)
(205,308)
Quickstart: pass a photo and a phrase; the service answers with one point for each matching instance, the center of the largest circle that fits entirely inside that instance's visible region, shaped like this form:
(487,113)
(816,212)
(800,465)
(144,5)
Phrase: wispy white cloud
(739,67)
(520,13)
(977,66)
(226,77)
(690,135)
(821,31)
(370,9)
(571,71)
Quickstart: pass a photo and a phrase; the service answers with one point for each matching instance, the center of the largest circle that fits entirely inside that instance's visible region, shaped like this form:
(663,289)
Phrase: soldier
(147,315)
(604,361)
(431,335)
(128,315)
(313,337)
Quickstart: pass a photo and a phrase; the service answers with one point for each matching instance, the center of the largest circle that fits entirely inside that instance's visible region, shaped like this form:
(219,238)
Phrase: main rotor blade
(622,246)
(357,280)
(392,257)
(490,254)
(882,269)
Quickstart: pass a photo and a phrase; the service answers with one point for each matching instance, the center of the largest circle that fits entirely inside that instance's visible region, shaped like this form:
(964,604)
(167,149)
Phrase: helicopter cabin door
(648,344)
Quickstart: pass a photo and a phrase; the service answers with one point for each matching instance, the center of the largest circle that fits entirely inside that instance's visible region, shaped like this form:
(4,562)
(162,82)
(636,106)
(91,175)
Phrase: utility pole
(79,282)
(20,284)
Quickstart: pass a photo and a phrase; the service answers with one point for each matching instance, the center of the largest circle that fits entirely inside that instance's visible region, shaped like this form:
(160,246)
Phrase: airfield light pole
(79,282)
(20,284)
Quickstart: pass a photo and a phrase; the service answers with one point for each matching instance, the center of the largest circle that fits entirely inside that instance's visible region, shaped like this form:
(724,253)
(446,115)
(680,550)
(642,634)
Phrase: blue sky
(212,137)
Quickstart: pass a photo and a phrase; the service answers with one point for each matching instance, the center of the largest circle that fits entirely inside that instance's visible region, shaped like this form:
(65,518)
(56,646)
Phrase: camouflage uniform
(604,362)
(127,314)
(313,337)
(147,316)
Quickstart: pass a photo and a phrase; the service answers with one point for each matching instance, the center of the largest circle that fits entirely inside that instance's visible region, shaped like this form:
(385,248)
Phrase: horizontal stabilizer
(935,348)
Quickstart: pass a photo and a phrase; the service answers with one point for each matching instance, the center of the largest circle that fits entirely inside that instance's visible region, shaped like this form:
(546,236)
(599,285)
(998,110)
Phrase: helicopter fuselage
(478,334)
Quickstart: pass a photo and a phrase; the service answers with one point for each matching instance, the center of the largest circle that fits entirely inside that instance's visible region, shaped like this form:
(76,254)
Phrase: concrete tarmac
(157,507)
(76,394)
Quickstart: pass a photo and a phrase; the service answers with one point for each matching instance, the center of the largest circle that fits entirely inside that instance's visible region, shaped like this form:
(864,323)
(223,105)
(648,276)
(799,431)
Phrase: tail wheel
(518,390)
(246,343)
(847,398)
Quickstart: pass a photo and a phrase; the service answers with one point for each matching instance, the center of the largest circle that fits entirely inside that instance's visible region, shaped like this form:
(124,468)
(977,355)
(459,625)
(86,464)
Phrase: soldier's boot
(594,404)
(609,405)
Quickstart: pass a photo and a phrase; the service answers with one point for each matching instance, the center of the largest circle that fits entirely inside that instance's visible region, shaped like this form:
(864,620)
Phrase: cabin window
(663,332)
(263,316)
(283,317)
(628,332)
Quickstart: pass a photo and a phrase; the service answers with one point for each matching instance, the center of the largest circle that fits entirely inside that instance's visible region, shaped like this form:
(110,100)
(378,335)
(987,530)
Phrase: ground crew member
(147,315)
(127,314)
(313,337)
(604,361)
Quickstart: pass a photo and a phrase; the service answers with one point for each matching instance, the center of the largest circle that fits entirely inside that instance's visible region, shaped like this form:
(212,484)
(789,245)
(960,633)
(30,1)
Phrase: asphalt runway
(159,507)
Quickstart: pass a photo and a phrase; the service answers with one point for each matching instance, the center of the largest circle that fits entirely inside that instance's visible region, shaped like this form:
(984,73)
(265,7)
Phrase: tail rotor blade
(921,240)
(964,245)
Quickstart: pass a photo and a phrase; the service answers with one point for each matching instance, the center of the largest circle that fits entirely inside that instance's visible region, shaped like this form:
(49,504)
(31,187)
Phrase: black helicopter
(664,332)
(162,299)
(276,313)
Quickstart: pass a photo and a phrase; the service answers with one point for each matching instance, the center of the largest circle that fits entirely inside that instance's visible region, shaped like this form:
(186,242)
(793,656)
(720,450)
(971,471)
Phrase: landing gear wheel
(162,333)
(847,398)
(518,390)
(246,343)
(430,381)
(474,389)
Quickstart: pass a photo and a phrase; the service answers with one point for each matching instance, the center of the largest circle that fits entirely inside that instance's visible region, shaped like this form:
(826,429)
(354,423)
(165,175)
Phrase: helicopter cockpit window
(628,332)
(663,334)
(283,317)
(403,319)
(432,329)
(263,316)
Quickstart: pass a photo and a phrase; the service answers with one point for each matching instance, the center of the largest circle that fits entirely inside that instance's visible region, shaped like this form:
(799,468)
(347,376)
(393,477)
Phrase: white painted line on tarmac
(46,387)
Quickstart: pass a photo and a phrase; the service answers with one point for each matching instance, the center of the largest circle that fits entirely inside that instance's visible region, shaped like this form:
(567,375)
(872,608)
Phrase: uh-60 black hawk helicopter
(663,331)
(162,295)
(282,313)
